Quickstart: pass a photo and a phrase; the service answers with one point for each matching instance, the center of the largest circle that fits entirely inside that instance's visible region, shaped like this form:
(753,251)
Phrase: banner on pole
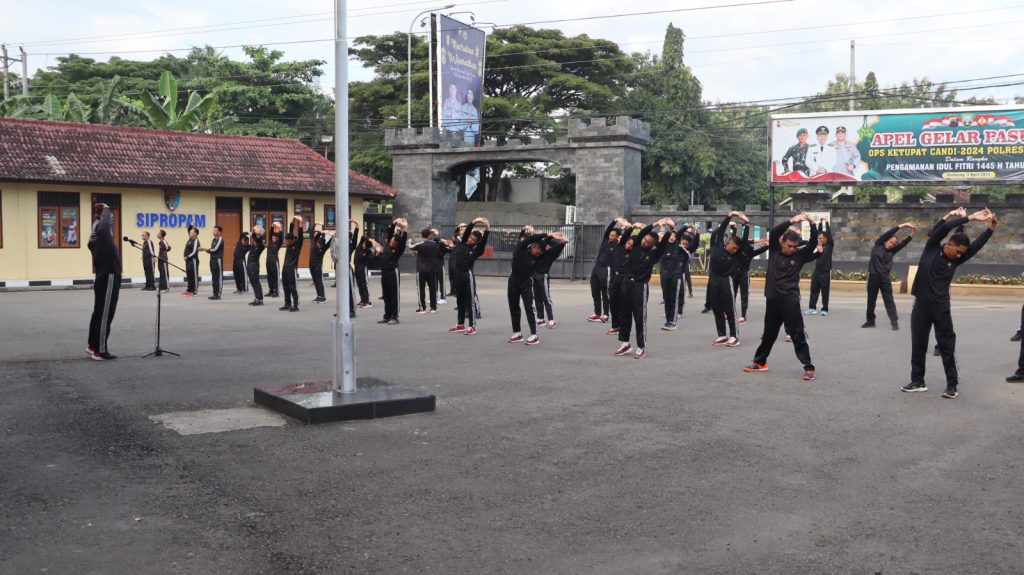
(977,145)
(461,52)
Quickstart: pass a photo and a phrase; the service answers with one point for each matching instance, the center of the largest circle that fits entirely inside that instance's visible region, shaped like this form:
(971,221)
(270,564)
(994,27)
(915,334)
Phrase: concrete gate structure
(603,154)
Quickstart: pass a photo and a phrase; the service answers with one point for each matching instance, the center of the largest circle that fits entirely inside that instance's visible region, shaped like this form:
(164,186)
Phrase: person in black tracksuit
(274,243)
(390,281)
(723,262)
(672,263)
(880,272)
(318,246)
(465,251)
(935,271)
(290,271)
(642,253)
(692,248)
(617,261)
(782,294)
(161,263)
(238,264)
(364,256)
(455,239)
(439,266)
(821,278)
(426,270)
(530,248)
(718,237)
(252,265)
(1017,336)
(192,262)
(601,275)
(353,244)
(147,263)
(216,251)
(544,305)
(741,281)
(107,285)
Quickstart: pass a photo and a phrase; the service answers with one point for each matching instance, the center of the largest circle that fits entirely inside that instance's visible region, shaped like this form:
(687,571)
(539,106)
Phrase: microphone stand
(158,351)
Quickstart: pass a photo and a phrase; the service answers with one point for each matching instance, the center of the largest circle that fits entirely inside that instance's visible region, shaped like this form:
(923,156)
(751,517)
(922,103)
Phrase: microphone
(129,240)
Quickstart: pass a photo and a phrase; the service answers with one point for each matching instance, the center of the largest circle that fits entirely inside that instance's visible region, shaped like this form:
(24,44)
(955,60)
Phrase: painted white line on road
(218,420)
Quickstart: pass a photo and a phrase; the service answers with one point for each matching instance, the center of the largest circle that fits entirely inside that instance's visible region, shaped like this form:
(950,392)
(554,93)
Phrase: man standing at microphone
(107,285)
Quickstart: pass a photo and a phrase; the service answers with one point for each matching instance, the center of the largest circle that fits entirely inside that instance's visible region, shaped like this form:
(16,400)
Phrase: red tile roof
(71,153)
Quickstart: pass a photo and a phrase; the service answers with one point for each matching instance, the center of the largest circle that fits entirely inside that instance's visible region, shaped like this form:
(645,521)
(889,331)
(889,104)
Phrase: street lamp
(408,99)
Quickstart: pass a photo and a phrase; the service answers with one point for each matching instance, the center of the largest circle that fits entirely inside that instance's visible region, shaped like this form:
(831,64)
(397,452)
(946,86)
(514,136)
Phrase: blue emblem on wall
(172,199)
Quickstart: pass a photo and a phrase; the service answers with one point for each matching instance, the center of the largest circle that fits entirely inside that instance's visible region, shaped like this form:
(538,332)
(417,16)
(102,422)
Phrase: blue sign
(152,219)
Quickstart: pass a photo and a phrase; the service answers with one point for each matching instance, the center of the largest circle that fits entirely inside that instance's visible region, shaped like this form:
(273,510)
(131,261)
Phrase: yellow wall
(22,259)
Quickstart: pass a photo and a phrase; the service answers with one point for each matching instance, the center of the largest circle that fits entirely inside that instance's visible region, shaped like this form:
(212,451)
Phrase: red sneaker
(516,337)
(755,368)
(552,324)
(532,340)
(640,353)
(456,328)
(720,341)
(470,331)
(595,318)
(623,349)
(604,319)
(541,322)
(612,331)
(732,342)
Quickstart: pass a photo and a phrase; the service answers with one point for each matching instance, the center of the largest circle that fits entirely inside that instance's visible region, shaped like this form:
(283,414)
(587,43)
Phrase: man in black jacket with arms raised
(935,272)
(782,293)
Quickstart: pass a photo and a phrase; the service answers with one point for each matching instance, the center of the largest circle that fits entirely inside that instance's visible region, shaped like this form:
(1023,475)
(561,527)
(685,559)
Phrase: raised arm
(981,240)
(888,234)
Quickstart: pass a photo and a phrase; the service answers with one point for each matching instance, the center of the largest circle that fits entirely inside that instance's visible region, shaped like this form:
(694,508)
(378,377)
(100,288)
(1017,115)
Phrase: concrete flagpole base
(317,402)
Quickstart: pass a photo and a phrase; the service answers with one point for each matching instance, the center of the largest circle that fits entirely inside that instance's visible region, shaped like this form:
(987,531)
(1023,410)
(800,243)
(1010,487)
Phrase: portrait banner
(461,52)
(980,144)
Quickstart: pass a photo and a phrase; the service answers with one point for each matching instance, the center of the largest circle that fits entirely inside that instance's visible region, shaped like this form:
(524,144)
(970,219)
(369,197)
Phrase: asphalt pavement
(555,458)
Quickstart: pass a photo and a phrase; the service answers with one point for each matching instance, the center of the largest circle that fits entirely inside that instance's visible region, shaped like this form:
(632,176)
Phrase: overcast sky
(753,57)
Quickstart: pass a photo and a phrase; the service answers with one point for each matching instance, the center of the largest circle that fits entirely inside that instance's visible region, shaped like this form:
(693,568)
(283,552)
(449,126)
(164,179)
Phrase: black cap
(840,129)
(821,130)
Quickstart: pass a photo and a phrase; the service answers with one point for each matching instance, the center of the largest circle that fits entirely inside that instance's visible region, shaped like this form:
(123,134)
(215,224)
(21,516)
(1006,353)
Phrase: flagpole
(344,376)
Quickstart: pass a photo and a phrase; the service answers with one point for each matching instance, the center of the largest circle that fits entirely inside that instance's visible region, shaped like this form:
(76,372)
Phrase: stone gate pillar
(607,167)
(426,195)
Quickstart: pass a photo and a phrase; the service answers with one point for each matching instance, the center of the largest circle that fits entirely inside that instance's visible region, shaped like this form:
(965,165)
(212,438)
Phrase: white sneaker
(442,301)
(732,342)
(532,340)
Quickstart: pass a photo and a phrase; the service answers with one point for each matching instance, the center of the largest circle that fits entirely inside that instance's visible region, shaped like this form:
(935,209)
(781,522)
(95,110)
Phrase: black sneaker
(214,297)
(936,352)
(895,326)
(284,308)
(868,324)
(1016,336)
(256,302)
(912,387)
(950,392)
(706,310)
(1016,378)
(109,356)
(294,308)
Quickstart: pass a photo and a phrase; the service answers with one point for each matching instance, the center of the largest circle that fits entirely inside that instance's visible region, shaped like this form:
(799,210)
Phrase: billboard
(979,144)
(461,51)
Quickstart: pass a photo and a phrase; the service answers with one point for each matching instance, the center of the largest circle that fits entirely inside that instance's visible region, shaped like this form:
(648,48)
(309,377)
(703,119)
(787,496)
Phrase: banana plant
(162,110)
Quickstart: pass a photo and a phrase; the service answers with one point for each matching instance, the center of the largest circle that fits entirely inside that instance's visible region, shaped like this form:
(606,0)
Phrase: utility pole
(7,90)
(24,71)
(853,75)
(7,70)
